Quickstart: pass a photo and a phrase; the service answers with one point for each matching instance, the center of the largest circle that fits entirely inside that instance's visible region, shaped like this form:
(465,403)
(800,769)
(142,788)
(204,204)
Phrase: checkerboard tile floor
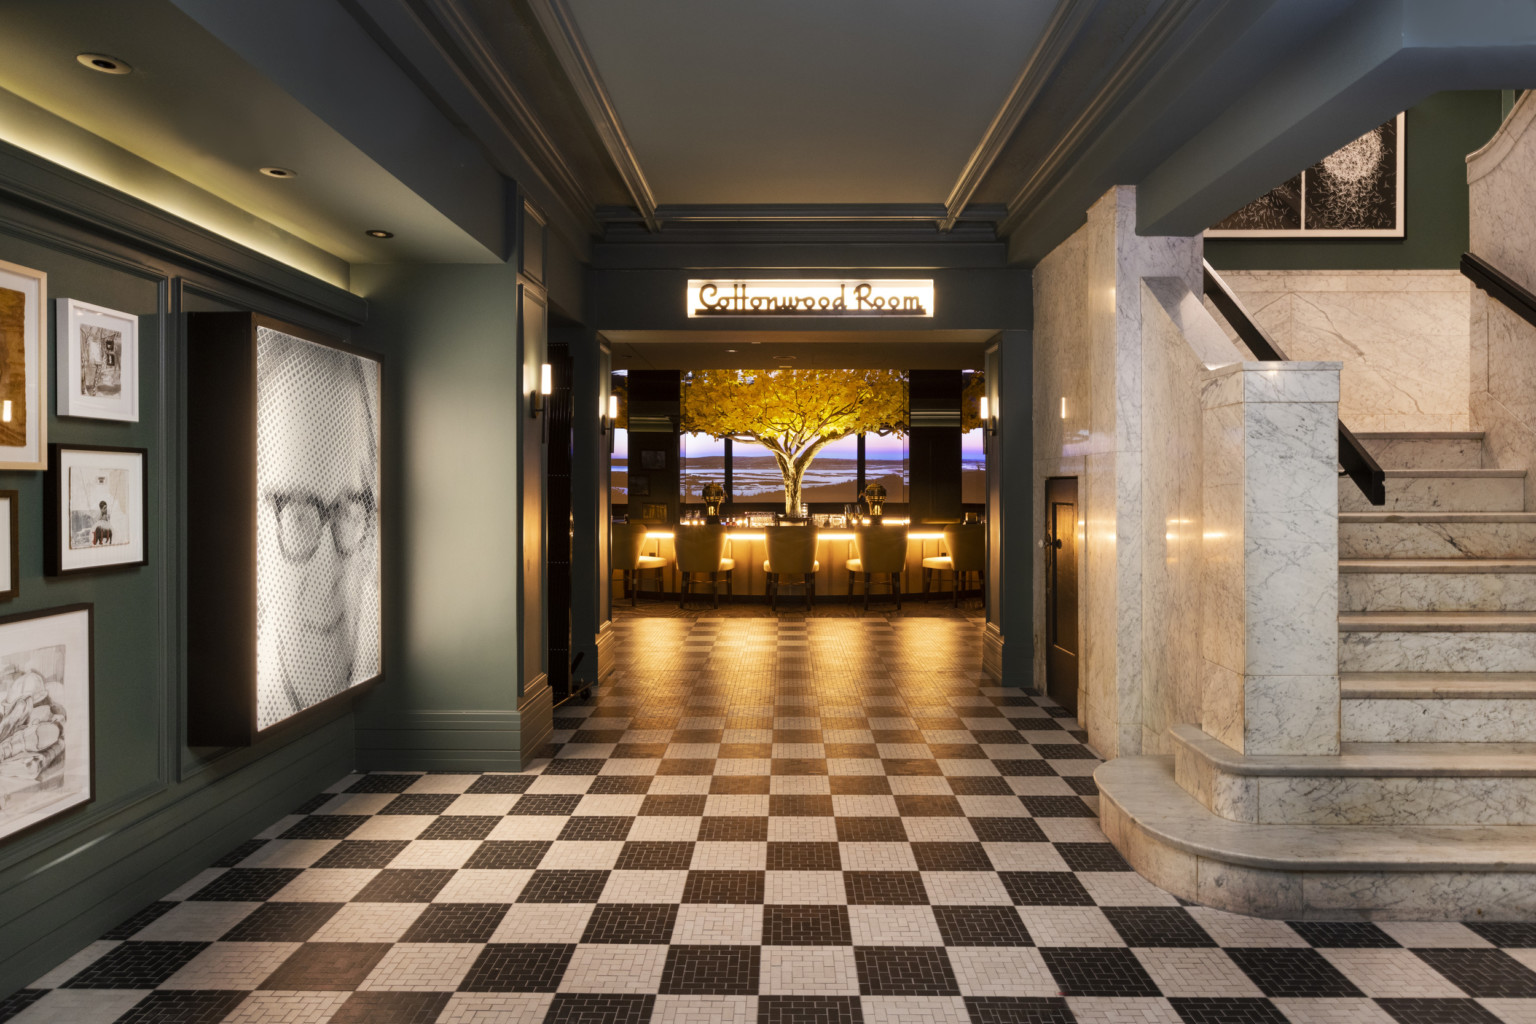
(773,820)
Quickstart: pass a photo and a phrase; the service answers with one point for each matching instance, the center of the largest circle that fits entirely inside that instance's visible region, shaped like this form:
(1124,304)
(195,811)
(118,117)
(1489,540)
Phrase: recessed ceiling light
(786,366)
(731,350)
(279,172)
(379,233)
(106,65)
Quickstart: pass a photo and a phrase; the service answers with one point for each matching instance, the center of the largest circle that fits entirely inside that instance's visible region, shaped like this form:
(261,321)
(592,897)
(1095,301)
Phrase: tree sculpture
(794,413)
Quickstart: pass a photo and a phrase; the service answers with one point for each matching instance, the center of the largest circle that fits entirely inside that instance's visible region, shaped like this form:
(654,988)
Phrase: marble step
(1437,534)
(1437,642)
(1392,783)
(1445,449)
(1452,490)
(1428,707)
(1313,872)
(1431,584)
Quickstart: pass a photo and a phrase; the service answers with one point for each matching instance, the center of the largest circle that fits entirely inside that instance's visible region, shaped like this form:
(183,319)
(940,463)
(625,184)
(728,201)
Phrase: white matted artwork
(1354,192)
(23,371)
(98,361)
(95,507)
(10,545)
(318,594)
(45,716)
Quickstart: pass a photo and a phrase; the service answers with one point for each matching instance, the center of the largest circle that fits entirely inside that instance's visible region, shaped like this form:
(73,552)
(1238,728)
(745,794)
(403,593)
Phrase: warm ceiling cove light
(279,172)
(379,233)
(106,65)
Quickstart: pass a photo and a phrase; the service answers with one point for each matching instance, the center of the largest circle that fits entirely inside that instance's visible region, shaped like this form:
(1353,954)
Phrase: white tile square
(874,806)
(893,926)
(645,887)
(1069,926)
(965,888)
(804,887)
(287,1008)
(712,924)
(393,826)
(1197,972)
(422,967)
(610,805)
(435,853)
(596,855)
(79,1006)
(1335,1011)
(877,857)
(195,922)
(611,967)
(809,970)
(1391,974)
(528,826)
(915,1010)
(325,885)
(1122,1010)
(1024,857)
(484,885)
(736,805)
(1433,935)
(488,804)
(442,783)
(1002,971)
(802,830)
(702,1010)
(1124,889)
(369,922)
(730,856)
(75,964)
(543,922)
(494,1008)
(231,966)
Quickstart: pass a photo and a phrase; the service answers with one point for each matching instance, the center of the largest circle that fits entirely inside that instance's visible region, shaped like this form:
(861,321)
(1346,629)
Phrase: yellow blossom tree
(794,413)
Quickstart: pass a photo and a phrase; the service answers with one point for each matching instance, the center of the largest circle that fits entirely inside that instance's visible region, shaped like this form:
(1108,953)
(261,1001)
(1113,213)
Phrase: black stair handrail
(1515,296)
(1356,461)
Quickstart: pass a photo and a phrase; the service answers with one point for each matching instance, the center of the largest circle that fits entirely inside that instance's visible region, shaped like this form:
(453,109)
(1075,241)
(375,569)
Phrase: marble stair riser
(1437,652)
(1436,540)
(1436,591)
(1425,453)
(1439,494)
(1442,720)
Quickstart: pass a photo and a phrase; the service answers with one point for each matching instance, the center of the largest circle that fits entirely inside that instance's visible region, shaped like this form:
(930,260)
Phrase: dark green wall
(1440,132)
(162,811)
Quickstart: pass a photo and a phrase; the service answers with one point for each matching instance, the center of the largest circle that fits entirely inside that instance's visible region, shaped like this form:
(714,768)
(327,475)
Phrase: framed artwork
(47,686)
(653,513)
(98,361)
(653,458)
(1355,192)
(10,548)
(284,553)
(639,486)
(23,370)
(93,509)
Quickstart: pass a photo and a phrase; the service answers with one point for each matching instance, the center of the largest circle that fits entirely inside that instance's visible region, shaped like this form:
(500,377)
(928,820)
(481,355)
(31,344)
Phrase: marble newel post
(1270,603)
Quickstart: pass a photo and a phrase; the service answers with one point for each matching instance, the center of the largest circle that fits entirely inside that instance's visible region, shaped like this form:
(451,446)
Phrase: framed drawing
(653,458)
(284,552)
(47,685)
(98,361)
(1355,192)
(93,509)
(10,548)
(23,370)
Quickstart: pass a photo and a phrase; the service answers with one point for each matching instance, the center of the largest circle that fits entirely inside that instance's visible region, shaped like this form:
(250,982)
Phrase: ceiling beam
(564,35)
(1066,21)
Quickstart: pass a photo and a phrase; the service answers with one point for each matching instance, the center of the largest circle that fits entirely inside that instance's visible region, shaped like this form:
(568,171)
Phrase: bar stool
(791,552)
(882,551)
(701,552)
(625,556)
(966,553)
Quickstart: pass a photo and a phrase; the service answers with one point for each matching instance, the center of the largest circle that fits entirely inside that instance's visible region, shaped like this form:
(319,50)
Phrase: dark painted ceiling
(806,350)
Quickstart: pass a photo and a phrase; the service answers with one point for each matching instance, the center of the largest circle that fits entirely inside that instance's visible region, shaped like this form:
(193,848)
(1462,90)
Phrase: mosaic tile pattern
(797,820)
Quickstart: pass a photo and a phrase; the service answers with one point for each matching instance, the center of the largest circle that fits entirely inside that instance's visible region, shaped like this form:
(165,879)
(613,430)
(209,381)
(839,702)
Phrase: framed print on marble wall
(47,689)
(98,361)
(284,535)
(23,369)
(1354,192)
(10,547)
(94,509)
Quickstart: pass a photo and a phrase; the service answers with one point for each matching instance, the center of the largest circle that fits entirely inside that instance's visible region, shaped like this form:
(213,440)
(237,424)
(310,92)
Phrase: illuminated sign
(810,298)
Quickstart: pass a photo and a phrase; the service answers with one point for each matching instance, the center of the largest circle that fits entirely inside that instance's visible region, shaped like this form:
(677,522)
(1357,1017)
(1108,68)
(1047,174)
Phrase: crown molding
(848,214)
(570,49)
(1062,30)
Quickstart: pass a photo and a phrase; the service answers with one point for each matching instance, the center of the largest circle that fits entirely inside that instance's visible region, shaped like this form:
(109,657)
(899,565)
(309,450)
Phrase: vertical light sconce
(546,387)
(984,411)
(1063,406)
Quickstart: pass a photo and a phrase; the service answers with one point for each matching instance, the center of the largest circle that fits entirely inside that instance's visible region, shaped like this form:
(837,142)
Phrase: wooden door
(1062,640)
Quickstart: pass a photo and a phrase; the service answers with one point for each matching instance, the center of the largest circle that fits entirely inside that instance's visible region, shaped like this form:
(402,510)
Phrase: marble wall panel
(1291,714)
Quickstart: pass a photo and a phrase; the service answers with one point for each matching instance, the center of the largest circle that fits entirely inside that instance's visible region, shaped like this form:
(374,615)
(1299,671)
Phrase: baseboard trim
(535,720)
(467,740)
(992,653)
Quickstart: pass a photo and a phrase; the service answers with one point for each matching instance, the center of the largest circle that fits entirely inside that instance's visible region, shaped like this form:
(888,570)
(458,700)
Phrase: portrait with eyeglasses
(318,626)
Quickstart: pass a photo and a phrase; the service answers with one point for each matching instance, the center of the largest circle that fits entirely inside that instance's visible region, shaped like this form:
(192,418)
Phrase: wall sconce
(546,387)
(984,410)
(611,414)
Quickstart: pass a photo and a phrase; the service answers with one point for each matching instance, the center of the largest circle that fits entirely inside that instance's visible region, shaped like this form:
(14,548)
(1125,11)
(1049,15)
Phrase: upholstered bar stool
(882,551)
(701,552)
(965,552)
(628,543)
(791,552)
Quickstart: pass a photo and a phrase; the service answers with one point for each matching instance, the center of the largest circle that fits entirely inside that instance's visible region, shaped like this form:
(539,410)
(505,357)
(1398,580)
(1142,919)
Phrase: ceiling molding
(570,49)
(1165,24)
(798,213)
(1062,30)
(457,28)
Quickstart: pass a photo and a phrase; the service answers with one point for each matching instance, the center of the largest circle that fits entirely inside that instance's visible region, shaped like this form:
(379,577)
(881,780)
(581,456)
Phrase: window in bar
(973,468)
(833,475)
(701,460)
(755,475)
(885,462)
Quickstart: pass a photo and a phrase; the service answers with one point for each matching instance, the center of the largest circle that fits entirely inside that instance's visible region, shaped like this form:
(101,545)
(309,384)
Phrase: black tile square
(909,806)
(859,785)
(501,784)
(1344,935)
(631,923)
(1092,857)
(282,922)
(800,805)
(724,887)
(981,926)
(686,766)
(1029,767)
(508,854)
(1057,807)
(1483,973)
(419,803)
(639,751)
(711,970)
(1507,934)
(554,804)
(1082,785)
(325,826)
(1007,830)
(136,965)
(1018,1010)
(885,888)
(740,785)
(1065,752)
(1098,971)
(326,967)
(597,828)
(564,885)
(620,785)
(246,885)
(951,857)
(404,885)
(1438,1011)
(1293,973)
(979,785)
(1228,1011)
(362,853)
(600,1008)
(575,765)
(391,1008)
(207,1006)
(806,925)
(804,856)
(809,1010)
(456,922)
(383,782)
(14,1003)
(461,826)
(1045,889)
(733,830)
(680,805)
(138,922)
(871,830)
(1157,926)
(239,853)
(655,855)
(904,971)
(518,967)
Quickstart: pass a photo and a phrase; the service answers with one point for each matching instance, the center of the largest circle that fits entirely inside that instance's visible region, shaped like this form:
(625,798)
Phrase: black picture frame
(56,498)
(222,501)
(89,797)
(653,458)
(12,585)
